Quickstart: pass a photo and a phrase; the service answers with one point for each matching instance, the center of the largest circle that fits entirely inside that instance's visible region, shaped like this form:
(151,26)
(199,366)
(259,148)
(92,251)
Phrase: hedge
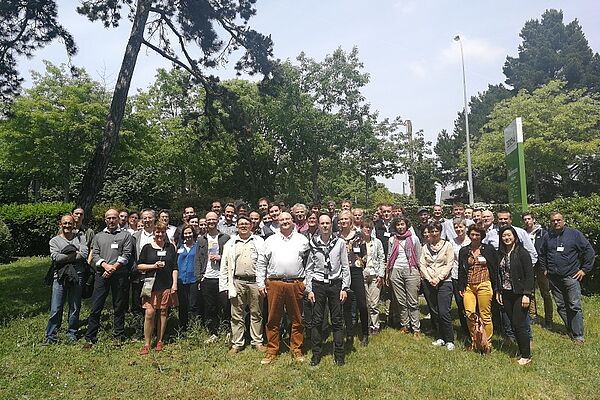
(33,225)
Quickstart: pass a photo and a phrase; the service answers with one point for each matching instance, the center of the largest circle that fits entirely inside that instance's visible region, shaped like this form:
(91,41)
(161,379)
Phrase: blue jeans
(441,301)
(567,295)
(73,296)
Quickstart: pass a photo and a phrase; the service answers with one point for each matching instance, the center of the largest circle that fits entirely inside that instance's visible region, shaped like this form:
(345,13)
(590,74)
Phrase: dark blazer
(491,255)
(380,233)
(201,260)
(521,271)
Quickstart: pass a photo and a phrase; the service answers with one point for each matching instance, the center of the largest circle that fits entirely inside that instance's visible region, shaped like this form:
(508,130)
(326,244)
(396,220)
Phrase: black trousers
(460,306)
(441,302)
(217,309)
(427,293)
(360,298)
(118,285)
(327,294)
(187,294)
(518,318)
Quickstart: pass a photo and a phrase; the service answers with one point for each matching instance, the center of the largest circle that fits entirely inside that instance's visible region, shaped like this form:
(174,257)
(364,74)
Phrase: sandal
(159,346)
(145,350)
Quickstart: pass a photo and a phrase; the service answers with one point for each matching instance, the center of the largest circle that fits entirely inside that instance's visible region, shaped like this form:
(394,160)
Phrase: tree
(188,23)
(561,139)
(52,127)
(551,50)
(450,148)
(26,26)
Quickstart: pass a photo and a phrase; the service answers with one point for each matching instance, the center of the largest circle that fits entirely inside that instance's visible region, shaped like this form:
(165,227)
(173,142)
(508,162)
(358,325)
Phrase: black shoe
(364,341)
(315,361)
(349,343)
(339,362)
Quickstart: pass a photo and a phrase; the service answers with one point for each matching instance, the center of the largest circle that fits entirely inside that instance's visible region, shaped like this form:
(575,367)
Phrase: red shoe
(159,346)
(145,350)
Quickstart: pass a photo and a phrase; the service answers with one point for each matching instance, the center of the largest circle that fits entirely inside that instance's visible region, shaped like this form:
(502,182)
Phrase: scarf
(409,250)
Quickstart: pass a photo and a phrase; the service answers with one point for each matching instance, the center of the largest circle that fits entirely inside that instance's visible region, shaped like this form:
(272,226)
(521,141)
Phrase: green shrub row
(5,243)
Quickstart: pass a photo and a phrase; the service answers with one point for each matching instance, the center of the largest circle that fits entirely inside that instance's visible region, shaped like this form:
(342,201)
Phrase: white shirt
(283,257)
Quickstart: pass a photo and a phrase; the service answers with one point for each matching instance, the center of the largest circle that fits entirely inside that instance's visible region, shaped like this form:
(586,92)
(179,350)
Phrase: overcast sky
(406,47)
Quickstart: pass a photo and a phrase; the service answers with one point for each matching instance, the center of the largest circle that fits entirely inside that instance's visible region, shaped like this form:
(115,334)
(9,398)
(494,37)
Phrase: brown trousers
(289,295)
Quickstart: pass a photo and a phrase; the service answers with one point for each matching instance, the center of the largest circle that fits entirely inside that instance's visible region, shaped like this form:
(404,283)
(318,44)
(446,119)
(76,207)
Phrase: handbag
(147,287)
(480,340)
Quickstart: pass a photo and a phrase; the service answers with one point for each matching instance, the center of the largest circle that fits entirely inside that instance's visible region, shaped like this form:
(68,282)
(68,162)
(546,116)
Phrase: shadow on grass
(23,293)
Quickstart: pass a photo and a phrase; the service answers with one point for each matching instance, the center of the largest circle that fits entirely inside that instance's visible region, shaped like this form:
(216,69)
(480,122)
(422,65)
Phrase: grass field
(393,366)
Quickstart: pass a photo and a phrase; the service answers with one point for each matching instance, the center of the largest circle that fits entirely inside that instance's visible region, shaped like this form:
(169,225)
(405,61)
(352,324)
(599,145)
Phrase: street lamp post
(411,172)
(469,168)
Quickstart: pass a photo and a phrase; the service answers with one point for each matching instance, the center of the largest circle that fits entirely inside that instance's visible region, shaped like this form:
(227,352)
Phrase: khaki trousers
(247,295)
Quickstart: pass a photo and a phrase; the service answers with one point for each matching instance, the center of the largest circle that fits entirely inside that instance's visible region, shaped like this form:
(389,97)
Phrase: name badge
(161,253)
(114,245)
(180,251)
(481,260)
(387,234)
(560,248)
(356,250)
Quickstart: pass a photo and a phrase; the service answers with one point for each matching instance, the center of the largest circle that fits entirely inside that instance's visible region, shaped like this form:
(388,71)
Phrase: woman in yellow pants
(478,281)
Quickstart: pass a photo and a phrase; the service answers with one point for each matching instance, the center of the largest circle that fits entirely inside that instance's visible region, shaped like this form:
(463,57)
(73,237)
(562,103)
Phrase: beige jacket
(437,266)
(226,278)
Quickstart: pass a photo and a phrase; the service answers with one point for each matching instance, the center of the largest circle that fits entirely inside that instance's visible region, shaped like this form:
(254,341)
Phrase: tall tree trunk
(93,179)
(314,178)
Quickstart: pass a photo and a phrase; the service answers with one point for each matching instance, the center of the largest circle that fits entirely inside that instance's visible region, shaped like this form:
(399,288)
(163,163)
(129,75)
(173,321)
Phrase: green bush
(582,214)
(6,245)
(33,225)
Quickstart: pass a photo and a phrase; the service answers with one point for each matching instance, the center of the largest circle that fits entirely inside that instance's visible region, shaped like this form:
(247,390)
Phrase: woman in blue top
(186,281)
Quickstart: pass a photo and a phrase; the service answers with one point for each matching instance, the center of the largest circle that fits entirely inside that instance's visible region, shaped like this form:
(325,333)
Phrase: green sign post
(515,164)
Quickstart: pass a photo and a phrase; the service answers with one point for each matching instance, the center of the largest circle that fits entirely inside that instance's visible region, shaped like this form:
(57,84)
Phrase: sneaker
(428,316)
(523,361)
(339,362)
(438,343)
(260,348)
(234,350)
(269,358)
(159,346)
(145,350)
(298,357)
(450,346)
(211,339)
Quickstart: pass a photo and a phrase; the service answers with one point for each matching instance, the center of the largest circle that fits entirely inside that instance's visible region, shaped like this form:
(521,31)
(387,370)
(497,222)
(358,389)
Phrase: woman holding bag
(159,260)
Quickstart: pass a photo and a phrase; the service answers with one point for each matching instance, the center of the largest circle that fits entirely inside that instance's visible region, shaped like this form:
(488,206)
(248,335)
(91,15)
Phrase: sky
(406,46)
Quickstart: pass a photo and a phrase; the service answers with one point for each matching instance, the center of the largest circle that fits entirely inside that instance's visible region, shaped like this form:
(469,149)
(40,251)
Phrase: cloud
(405,7)
(475,50)
(418,69)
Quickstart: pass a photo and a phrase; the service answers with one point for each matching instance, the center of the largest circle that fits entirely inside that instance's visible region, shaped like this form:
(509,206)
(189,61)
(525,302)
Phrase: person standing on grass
(356,306)
(537,234)
(187,286)
(567,257)
(208,269)
(516,286)
(459,241)
(238,280)
(327,282)
(371,260)
(477,282)
(136,277)
(112,249)
(68,251)
(158,258)
(403,275)
(280,277)
(437,259)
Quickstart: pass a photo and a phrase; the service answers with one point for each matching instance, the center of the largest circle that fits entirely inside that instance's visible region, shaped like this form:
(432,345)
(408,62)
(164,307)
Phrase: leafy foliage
(26,26)
(552,50)
(6,245)
(561,140)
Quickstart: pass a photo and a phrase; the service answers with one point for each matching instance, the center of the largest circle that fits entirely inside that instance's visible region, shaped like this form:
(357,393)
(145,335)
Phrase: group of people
(309,272)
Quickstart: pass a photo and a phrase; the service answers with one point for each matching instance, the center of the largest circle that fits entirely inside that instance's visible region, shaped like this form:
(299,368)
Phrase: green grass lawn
(393,366)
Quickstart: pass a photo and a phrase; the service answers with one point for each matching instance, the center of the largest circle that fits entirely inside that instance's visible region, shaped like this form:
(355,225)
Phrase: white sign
(513,134)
